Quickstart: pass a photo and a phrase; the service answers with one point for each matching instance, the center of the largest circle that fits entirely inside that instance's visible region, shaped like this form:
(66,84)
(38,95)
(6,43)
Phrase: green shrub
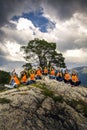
(4,77)
(4,100)
(58,99)
(80,106)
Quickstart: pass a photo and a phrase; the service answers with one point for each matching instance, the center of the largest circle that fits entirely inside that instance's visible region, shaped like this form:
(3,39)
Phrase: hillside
(46,105)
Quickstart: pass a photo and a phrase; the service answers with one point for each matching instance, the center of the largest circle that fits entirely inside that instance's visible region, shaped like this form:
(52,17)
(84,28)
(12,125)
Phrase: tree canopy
(45,51)
(4,77)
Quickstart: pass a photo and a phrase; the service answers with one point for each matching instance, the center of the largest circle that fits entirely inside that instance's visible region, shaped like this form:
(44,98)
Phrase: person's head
(74,72)
(32,72)
(66,71)
(14,75)
(52,68)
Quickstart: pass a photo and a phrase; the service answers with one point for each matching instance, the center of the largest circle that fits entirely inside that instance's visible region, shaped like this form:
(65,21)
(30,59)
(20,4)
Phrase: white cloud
(69,35)
(24,24)
(13,51)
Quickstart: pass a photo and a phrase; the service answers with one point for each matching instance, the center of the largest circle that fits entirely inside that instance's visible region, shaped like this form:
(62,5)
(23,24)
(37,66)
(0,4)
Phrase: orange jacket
(16,80)
(24,78)
(67,76)
(52,72)
(32,76)
(75,78)
(38,73)
(45,71)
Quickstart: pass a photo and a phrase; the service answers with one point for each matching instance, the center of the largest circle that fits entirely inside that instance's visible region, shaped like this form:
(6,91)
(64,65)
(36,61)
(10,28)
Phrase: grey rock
(30,109)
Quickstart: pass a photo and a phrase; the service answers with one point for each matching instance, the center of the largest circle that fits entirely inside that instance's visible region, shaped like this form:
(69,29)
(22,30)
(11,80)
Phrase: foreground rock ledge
(29,108)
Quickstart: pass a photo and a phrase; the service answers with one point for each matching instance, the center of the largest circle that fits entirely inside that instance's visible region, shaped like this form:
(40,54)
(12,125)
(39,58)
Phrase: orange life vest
(67,76)
(16,80)
(52,72)
(75,78)
(45,71)
(24,78)
(32,76)
(38,73)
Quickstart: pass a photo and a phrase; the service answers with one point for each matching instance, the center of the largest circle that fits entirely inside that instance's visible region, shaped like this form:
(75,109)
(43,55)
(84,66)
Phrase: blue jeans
(51,76)
(38,77)
(30,82)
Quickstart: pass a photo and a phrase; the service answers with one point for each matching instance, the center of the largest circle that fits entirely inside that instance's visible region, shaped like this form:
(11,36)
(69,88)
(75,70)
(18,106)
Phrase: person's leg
(33,81)
(65,80)
(78,83)
(50,77)
(53,77)
(30,82)
(12,82)
(61,79)
(39,77)
(57,78)
(9,86)
(15,85)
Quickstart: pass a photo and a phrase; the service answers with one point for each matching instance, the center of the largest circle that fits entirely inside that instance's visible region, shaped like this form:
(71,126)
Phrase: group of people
(30,76)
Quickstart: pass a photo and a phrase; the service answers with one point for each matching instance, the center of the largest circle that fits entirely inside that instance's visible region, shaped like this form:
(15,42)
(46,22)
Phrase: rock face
(46,105)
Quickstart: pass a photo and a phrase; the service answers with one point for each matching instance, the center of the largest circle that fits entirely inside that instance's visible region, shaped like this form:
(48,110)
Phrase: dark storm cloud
(66,8)
(9,8)
(1,35)
(3,61)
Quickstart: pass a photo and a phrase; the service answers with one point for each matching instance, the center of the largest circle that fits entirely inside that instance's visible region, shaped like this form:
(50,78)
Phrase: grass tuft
(4,100)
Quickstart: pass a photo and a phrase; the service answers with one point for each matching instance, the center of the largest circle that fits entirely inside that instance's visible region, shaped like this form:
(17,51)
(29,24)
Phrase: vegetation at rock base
(78,105)
(49,93)
(4,100)
(4,77)
(45,51)
(58,98)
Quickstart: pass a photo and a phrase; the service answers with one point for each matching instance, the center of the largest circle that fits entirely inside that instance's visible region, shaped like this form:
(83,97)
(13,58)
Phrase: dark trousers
(59,78)
(38,77)
(76,83)
(30,82)
(67,81)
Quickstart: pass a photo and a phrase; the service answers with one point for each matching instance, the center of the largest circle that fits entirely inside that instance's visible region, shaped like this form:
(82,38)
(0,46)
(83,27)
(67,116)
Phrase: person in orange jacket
(14,82)
(24,78)
(45,71)
(59,76)
(52,73)
(38,73)
(67,77)
(31,78)
(74,79)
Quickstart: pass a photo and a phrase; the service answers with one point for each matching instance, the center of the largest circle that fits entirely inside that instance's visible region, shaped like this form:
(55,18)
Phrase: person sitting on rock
(67,77)
(74,79)
(14,82)
(31,78)
(39,73)
(45,71)
(24,78)
(52,73)
(59,76)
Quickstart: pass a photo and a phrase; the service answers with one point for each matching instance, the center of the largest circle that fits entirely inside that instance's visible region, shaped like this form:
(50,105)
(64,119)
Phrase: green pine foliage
(4,77)
(46,52)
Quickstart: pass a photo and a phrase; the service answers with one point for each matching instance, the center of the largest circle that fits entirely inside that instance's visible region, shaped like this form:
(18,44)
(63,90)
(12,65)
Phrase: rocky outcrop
(46,105)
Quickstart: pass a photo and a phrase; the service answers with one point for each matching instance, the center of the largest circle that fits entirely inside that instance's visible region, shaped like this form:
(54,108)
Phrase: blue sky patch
(38,20)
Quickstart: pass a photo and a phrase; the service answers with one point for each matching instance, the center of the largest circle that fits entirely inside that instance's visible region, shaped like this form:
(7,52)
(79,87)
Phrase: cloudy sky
(60,21)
